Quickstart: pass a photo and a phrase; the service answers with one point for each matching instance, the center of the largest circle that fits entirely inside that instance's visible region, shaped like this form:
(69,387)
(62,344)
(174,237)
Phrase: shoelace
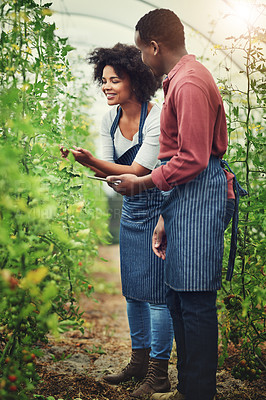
(151,374)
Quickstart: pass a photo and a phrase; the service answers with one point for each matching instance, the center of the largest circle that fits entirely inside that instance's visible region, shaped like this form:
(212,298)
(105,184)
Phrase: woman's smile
(117,89)
(110,96)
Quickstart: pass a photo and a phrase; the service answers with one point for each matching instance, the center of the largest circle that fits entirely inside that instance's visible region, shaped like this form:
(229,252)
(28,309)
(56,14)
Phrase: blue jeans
(196,334)
(150,326)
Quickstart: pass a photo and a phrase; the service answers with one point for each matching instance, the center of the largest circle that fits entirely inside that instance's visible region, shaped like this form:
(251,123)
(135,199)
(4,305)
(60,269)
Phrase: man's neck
(172,58)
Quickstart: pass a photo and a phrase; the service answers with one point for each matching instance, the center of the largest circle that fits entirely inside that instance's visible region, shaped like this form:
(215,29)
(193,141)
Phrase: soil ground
(73,366)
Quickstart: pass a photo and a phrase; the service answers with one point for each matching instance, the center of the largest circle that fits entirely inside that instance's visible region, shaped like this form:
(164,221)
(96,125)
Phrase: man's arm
(195,121)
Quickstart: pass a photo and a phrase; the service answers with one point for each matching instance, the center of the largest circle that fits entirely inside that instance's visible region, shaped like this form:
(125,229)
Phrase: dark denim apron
(194,215)
(142,272)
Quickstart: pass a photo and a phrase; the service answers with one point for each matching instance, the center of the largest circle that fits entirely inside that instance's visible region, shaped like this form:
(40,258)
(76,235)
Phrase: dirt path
(72,367)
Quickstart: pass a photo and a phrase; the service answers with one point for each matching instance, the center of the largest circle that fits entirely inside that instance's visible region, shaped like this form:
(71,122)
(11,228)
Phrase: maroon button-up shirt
(193,125)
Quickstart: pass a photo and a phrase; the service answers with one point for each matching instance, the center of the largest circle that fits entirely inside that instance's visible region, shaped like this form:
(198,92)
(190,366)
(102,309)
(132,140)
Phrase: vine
(242,301)
(51,218)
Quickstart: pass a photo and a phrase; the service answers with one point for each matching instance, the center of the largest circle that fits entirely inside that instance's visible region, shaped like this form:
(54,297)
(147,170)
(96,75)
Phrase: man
(189,233)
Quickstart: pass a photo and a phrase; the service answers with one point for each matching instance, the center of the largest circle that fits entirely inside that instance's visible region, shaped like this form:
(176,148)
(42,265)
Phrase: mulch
(72,368)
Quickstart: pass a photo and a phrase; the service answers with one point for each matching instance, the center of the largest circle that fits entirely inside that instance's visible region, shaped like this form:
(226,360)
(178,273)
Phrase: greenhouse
(97,279)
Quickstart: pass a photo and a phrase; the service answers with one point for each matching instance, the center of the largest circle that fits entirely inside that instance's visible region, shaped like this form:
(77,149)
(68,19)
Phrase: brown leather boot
(137,368)
(156,379)
(176,395)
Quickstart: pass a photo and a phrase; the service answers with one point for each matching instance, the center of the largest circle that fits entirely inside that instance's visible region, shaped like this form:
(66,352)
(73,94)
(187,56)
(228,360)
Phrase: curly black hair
(125,59)
(161,25)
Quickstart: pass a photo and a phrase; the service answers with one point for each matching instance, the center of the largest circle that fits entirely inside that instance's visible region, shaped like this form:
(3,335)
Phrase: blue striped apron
(142,272)
(194,223)
(239,192)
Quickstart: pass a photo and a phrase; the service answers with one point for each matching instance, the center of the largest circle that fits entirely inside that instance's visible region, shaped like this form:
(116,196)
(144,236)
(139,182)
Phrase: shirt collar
(181,62)
(175,69)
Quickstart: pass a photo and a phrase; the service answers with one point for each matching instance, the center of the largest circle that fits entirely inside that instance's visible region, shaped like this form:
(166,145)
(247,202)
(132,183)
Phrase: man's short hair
(163,26)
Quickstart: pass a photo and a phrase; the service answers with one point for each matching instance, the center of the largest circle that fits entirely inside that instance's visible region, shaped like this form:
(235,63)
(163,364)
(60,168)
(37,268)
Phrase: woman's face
(116,89)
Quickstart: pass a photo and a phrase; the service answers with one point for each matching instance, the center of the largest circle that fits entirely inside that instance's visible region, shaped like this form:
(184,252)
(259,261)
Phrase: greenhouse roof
(207,23)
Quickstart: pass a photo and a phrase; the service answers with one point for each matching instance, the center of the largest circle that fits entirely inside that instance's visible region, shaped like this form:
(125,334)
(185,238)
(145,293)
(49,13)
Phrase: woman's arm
(106,168)
(97,171)
(146,158)
(65,153)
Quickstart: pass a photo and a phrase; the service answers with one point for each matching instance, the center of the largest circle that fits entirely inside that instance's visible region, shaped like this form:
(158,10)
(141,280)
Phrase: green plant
(61,358)
(242,301)
(96,350)
(51,217)
(40,397)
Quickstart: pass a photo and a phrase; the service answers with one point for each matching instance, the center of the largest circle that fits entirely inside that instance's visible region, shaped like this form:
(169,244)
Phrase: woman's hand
(79,154)
(159,241)
(64,153)
(82,156)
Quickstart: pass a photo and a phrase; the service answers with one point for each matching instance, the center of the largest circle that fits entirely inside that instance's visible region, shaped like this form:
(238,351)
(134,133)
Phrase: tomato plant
(242,301)
(51,217)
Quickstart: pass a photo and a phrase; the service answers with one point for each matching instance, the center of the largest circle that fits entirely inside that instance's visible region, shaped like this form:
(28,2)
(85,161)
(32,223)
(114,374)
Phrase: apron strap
(143,115)
(115,122)
(239,192)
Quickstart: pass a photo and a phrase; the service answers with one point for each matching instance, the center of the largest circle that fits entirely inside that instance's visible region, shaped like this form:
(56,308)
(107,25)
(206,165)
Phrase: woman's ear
(156,47)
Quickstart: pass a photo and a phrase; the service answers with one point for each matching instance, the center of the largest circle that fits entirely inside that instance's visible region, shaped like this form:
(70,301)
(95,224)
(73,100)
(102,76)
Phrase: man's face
(149,55)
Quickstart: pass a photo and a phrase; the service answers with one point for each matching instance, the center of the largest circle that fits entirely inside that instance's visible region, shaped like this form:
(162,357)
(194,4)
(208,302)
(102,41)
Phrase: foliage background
(242,301)
(52,217)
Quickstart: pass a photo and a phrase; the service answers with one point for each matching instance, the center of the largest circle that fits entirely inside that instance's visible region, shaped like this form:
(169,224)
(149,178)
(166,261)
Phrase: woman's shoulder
(109,116)
(154,114)
(155,109)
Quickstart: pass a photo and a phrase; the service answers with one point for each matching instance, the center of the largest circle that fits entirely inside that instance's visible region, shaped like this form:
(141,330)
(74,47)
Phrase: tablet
(103,179)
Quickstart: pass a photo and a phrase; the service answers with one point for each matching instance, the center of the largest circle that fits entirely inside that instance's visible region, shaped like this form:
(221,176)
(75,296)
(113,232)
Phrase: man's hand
(159,241)
(130,184)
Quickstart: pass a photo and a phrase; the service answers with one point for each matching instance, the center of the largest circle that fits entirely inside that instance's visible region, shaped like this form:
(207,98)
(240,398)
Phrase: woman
(130,137)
